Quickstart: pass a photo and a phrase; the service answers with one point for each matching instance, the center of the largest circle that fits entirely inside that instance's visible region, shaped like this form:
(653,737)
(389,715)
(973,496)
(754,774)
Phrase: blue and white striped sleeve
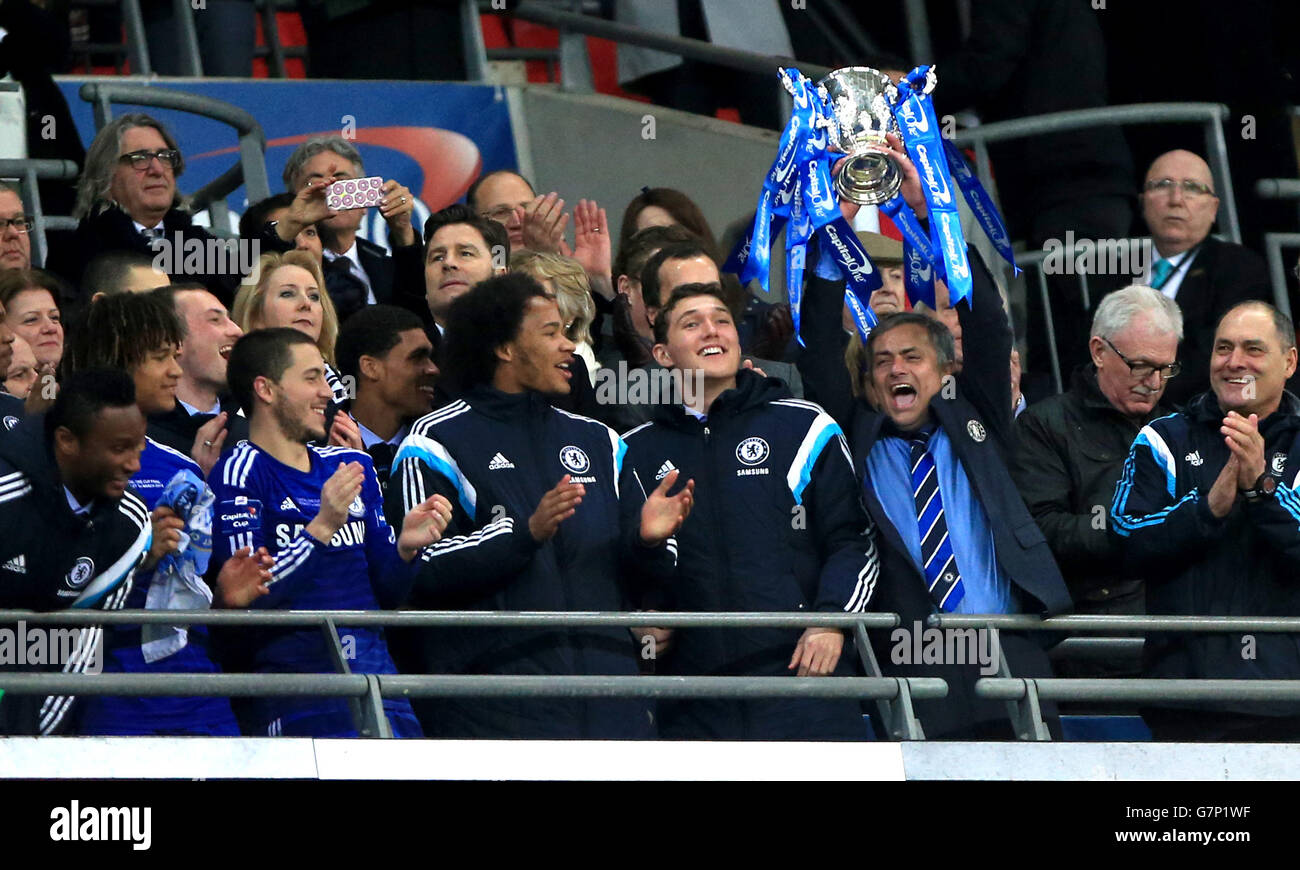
(1152,522)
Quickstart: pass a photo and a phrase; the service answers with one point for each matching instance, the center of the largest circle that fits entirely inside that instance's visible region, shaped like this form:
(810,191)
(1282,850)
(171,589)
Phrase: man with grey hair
(1072,447)
(127,200)
(357,272)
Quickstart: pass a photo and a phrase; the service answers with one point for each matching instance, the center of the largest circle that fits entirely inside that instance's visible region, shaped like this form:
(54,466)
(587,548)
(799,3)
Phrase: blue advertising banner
(435,138)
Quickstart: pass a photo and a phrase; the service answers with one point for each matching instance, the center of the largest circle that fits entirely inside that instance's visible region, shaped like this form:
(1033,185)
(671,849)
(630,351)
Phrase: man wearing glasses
(127,200)
(15,226)
(1203,275)
(1072,447)
(1207,508)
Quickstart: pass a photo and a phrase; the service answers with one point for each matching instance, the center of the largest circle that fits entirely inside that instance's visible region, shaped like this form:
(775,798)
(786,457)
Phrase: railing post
(905,725)
(1273,243)
(103,108)
(372,707)
(471,34)
(1218,148)
(897,716)
(1051,329)
(271,33)
(33,206)
(137,47)
(918,32)
(253,158)
(1026,714)
(575,65)
(360,718)
(191,62)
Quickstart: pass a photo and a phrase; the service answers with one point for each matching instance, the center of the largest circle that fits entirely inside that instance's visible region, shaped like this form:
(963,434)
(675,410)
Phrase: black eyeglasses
(20,225)
(1142,371)
(140,160)
(1167,185)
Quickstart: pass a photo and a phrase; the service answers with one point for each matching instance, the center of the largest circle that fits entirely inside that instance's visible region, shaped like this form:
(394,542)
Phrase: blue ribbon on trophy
(848,113)
(924,143)
(981,204)
(752,257)
(918,255)
(798,194)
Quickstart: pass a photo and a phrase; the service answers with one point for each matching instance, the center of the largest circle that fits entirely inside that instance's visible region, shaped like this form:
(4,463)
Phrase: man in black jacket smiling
(780,527)
(74,533)
(1207,508)
(546,516)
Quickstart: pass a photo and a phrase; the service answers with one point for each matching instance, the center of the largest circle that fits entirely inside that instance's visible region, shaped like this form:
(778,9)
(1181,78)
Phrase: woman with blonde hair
(289,290)
(566,280)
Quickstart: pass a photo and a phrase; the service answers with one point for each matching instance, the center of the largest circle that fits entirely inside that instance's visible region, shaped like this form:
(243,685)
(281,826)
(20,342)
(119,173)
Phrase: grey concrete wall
(593,146)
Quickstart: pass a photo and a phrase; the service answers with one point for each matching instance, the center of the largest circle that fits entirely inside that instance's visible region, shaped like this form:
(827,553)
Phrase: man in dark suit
(1205,276)
(127,200)
(932,446)
(357,272)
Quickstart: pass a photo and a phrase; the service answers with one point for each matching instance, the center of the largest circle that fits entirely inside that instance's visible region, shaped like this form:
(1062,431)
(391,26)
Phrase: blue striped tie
(942,577)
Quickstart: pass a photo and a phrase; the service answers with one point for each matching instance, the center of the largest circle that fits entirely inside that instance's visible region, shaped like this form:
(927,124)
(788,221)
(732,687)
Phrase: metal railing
(250,171)
(1027,693)
(27,172)
(1134,251)
(1210,115)
(575,68)
(1279,188)
(136,47)
(365,692)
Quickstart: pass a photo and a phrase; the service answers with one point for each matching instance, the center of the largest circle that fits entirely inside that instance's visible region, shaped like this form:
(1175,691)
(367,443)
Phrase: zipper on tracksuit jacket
(726,584)
(537,427)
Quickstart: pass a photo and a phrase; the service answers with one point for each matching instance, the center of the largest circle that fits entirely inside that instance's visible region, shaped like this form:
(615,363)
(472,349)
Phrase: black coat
(51,558)
(177,428)
(1070,452)
(396,280)
(778,525)
(1033,57)
(494,455)
(113,230)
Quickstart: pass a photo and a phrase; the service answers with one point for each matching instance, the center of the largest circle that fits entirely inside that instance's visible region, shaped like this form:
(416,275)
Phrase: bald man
(1205,276)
